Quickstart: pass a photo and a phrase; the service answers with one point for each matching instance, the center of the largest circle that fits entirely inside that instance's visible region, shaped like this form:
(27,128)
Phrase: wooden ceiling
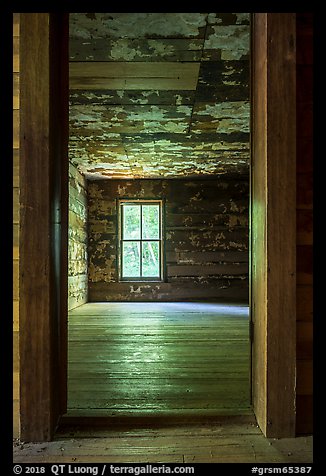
(157,95)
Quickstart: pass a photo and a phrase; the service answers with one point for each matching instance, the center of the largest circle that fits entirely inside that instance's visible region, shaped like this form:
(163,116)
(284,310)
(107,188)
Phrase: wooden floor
(229,440)
(146,359)
(160,373)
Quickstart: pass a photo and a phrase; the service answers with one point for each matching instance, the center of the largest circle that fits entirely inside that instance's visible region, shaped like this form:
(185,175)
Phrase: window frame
(160,240)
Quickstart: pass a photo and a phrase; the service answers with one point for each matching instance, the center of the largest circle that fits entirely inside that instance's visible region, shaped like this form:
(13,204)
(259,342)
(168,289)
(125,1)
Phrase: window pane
(151,259)
(131,222)
(151,222)
(130,259)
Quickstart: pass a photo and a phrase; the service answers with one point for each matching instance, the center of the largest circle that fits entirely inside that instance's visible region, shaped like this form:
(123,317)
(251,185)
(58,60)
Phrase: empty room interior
(158,214)
(162,237)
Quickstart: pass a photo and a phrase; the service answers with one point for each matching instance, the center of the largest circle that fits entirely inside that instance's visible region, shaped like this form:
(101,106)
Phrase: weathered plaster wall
(206,229)
(16,423)
(77,244)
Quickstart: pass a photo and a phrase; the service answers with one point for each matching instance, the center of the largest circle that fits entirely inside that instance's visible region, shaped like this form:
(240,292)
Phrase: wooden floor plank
(142,358)
(216,442)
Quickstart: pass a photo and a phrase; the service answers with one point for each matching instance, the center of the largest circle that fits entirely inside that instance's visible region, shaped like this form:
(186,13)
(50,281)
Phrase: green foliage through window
(141,240)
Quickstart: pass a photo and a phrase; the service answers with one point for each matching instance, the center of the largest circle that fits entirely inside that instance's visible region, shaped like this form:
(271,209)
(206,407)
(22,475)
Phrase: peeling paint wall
(77,239)
(206,231)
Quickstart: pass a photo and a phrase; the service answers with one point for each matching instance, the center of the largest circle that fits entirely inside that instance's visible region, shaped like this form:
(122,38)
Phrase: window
(141,240)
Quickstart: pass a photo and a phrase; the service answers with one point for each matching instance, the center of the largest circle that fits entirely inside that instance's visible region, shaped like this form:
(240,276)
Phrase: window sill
(150,280)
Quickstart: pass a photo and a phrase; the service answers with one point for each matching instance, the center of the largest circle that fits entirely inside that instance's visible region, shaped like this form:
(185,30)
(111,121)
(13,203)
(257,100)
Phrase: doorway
(45,431)
(163,113)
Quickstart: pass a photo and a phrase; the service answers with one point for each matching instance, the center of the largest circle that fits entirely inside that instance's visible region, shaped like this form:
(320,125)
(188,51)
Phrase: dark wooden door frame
(273,222)
(43,223)
(44,212)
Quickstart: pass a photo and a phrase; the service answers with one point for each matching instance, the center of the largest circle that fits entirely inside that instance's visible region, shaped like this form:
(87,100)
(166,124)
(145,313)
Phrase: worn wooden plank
(217,290)
(16,17)
(77,267)
(15,385)
(221,81)
(15,279)
(204,220)
(77,239)
(304,83)
(304,377)
(304,156)
(305,126)
(133,69)
(304,227)
(163,151)
(15,316)
(78,202)
(16,241)
(105,97)
(230,196)
(97,371)
(15,182)
(138,25)
(305,47)
(77,222)
(282,228)
(136,49)
(305,408)
(223,385)
(273,244)
(304,191)
(304,340)
(197,257)
(42,458)
(159,426)
(127,119)
(304,303)
(192,154)
(15,81)
(42,184)
(133,75)
(181,442)
(15,351)
(181,291)
(202,270)
(224,117)
(204,139)
(304,264)
(208,240)
(305,23)
(227,42)
(16,419)
(34,199)
(16,54)
(141,164)
(130,83)
(16,128)
(81,279)
(15,203)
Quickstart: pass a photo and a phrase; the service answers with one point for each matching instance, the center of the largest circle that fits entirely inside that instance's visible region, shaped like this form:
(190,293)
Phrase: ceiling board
(159,95)
(133,75)
(104,97)
(139,49)
(138,25)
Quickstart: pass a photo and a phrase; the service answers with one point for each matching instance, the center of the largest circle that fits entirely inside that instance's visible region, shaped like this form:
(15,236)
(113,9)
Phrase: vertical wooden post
(273,222)
(43,224)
